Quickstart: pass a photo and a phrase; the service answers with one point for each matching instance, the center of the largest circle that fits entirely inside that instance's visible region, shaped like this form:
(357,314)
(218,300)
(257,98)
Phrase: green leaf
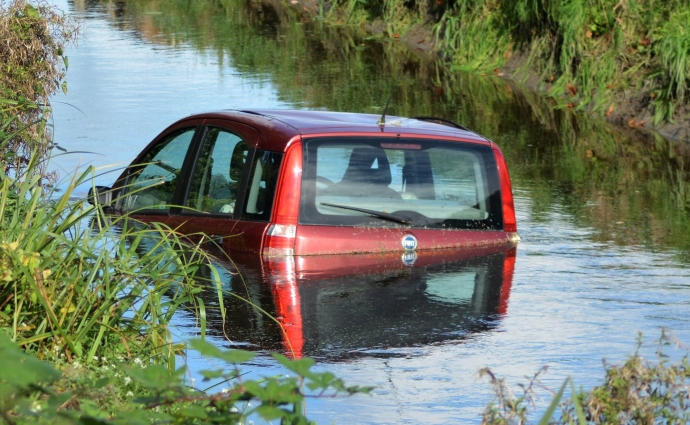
(205,348)
(300,367)
(101,383)
(202,316)
(271,413)
(26,370)
(238,356)
(210,350)
(155,377)
(578,407)
(193,411)
(212,374)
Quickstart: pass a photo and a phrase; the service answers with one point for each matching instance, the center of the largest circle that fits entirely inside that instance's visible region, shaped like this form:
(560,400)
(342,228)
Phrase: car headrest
(361,167)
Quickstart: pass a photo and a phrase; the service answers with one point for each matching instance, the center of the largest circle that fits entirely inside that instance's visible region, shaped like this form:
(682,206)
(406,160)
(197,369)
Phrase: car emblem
(409,257)
(409,243)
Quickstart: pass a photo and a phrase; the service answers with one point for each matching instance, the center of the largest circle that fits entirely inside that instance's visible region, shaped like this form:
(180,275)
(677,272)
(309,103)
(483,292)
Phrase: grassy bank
(610,57)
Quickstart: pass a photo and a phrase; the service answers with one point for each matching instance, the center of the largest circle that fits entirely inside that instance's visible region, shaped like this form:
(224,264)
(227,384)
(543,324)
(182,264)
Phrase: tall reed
(73,284)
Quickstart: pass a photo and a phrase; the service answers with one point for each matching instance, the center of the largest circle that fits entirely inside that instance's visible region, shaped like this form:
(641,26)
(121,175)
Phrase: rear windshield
(400,182)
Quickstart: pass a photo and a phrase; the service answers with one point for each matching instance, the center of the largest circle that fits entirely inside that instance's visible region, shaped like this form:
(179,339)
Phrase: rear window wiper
(378,214)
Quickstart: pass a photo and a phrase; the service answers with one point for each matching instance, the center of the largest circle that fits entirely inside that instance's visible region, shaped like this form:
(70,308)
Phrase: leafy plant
(77,286)
(36,392)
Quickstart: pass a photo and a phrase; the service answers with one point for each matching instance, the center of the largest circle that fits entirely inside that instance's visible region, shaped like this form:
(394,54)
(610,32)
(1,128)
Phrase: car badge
(409,243)
(409,257)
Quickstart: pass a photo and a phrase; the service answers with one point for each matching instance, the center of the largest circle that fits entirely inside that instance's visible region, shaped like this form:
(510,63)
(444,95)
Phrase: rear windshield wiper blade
(378,214)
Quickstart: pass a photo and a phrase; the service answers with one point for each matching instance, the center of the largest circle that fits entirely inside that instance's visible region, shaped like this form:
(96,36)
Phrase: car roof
(308,122)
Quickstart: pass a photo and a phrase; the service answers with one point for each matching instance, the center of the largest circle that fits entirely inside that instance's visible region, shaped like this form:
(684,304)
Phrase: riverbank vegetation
(640,391)
(33,68)
(595,55)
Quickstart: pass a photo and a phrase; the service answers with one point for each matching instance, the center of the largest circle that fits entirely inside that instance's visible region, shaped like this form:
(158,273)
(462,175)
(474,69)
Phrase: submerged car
(292,182)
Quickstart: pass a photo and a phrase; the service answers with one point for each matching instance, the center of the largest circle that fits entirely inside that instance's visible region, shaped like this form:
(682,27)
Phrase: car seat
(368,174)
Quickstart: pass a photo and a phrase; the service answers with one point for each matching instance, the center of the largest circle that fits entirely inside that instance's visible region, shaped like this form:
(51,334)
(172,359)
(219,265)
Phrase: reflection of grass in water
(642,183)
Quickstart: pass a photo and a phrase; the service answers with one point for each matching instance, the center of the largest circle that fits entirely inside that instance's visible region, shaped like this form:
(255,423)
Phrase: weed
(640,391)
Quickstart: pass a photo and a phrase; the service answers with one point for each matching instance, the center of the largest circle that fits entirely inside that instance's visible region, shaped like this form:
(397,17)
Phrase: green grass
(82,287)
(590,54)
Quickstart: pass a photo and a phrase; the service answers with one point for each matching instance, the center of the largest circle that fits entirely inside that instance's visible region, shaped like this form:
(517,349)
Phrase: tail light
(509,221)
(280,236)
(281,276)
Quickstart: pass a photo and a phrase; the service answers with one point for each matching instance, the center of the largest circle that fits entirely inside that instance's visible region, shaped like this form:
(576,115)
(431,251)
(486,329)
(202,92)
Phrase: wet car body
(280,182)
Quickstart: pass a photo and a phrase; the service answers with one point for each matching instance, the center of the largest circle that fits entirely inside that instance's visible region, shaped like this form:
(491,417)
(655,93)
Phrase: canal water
(604,214)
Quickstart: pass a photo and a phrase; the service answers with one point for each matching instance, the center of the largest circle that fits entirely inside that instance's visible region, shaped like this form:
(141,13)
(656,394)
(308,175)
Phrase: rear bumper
(330,240)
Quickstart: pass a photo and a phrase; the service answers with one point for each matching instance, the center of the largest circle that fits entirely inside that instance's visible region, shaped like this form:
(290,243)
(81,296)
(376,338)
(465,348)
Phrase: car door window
(152,183)
(217,173)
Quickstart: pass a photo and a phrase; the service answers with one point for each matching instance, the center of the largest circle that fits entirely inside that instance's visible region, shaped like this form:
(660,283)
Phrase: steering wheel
(323,182)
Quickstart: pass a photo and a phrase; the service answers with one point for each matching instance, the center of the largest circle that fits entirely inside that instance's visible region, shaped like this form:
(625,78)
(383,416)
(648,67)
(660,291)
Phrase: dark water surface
(604,215)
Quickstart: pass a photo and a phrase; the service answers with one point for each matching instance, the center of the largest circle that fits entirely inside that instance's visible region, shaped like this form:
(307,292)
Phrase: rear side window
(261,186)
(418,182)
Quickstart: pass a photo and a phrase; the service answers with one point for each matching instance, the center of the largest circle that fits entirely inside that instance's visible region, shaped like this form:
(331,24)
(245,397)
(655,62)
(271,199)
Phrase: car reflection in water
(340,307)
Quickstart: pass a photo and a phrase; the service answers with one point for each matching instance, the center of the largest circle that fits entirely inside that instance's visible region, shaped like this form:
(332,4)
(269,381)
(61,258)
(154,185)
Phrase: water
(603,214)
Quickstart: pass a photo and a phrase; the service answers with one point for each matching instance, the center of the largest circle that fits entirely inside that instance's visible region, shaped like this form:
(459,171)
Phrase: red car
(281,182)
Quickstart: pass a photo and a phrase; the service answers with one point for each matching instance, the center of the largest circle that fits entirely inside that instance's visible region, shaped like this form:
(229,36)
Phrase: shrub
(33,38)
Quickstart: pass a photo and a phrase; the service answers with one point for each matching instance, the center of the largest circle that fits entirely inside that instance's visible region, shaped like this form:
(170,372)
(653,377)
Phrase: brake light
(509,221)
(280,236)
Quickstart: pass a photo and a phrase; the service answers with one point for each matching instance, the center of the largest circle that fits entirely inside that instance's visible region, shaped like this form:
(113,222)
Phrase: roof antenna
(382,120)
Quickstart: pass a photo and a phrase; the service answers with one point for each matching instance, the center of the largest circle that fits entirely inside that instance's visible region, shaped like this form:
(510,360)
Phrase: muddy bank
(631,111)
